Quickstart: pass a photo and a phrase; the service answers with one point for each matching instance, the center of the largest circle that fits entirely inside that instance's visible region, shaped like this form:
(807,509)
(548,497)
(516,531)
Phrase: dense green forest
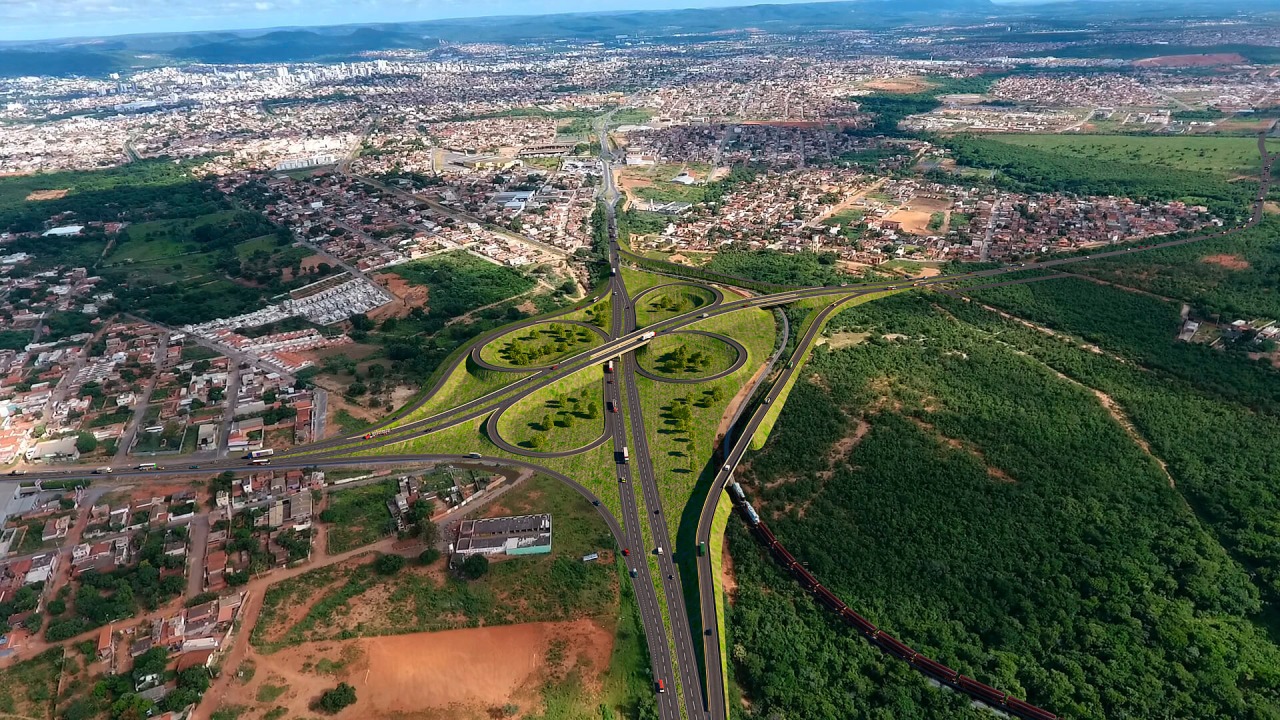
(1247,285)
(996,517)
(798,661)
(1142,329)
(1028,169)
(1222,454)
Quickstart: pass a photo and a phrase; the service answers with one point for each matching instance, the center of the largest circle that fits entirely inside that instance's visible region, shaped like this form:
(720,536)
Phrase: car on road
(633,572)
(658,550)
(626,552)
(726,467)
(662,687)
(473,455)
(193,467)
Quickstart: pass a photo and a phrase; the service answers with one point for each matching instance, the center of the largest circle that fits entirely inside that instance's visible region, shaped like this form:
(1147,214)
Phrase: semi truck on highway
(608,367)
(626,454)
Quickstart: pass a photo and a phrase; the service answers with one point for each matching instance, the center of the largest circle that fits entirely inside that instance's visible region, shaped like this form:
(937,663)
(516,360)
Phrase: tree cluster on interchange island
(555,339)
(681,360)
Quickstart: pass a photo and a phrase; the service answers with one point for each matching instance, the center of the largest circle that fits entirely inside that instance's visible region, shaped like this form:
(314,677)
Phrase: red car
(626,551)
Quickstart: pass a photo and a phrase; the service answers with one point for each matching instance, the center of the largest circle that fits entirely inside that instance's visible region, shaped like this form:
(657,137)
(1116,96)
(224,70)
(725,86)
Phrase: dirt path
(249,613)
(732,410)
(1113,408)
(466,317)
(1052,333)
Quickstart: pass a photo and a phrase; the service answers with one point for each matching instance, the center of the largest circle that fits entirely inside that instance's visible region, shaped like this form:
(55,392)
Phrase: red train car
(828,598)
(858,621)
(895,646)
(935,668)
(807,579)
(1028,710)
(985,693)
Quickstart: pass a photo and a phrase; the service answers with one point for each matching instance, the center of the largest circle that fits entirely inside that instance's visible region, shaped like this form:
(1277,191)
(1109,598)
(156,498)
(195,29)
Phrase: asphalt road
(637,567)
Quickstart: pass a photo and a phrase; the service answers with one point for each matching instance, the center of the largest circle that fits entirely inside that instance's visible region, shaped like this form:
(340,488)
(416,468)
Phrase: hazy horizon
(31,20)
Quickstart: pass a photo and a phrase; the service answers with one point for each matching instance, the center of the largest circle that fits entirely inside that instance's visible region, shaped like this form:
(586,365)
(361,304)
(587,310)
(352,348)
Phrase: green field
(686,356)
(467,382)
(358,516)
(559,416)
(680,449)
(556,586)
(1228,156)
(539,345)
(669,302)
(851,216)
(638,280)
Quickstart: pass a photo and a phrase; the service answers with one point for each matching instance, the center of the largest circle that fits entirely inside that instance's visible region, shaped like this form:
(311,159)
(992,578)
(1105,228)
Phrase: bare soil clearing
(38,195)
(1230,262)
(463,672)
(898,85)
(915,222)
(408,296)
(1206,60)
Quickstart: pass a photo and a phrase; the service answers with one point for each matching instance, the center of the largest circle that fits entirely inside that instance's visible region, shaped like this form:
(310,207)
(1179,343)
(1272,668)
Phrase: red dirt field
(408,297)
(1230,262)
(37,195)
(456,674)
(1207,60)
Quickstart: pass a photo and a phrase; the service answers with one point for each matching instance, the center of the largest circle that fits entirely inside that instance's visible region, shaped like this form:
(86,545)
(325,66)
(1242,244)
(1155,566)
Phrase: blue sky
(37,19)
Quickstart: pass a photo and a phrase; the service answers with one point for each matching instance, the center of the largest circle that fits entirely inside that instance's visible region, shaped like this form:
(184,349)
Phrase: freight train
(889,644)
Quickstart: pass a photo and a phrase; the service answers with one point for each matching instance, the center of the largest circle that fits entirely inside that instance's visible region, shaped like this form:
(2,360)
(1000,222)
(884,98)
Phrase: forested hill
(951,479)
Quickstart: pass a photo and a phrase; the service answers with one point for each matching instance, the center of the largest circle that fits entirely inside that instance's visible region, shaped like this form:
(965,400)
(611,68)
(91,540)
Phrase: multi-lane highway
(620,344)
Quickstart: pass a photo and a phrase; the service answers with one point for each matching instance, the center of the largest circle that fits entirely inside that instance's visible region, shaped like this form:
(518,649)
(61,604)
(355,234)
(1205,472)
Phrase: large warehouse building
(520,535)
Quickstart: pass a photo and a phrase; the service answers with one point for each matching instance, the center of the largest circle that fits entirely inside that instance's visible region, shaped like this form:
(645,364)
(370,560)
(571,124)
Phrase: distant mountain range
(100,56)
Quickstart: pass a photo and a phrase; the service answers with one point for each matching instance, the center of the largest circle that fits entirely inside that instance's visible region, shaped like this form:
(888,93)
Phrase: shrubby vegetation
(1060,564)
(459,283)
(1249,289)
(780,268)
